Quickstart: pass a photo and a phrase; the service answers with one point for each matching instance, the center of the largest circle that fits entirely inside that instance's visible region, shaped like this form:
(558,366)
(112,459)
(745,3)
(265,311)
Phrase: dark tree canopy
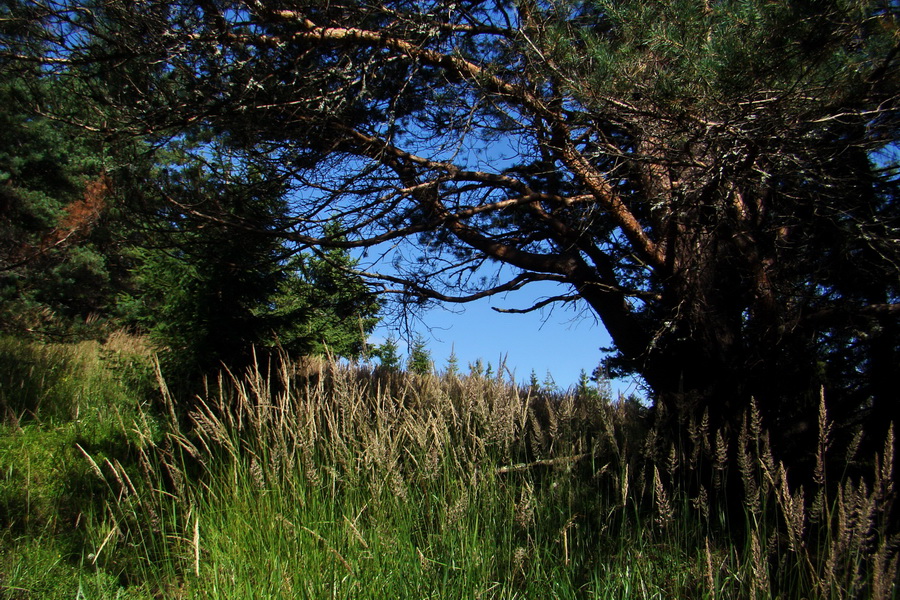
(715,180)
(223,295)
(58,261)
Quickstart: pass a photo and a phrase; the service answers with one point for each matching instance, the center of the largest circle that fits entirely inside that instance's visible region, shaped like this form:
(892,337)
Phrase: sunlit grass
(329,480)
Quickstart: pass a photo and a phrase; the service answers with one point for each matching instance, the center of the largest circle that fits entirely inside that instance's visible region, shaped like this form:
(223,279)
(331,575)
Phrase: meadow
(314,478)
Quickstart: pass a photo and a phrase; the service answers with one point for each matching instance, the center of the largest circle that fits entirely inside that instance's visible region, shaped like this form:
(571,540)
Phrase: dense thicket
(97,236)
(213,295)
(58,260)
(715,180)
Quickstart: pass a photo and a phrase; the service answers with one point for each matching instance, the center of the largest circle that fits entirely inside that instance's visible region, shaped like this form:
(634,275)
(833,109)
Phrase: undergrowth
(318,479)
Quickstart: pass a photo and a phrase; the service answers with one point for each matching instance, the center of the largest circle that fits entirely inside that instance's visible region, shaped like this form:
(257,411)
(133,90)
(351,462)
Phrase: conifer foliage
(218,295)
(58,266)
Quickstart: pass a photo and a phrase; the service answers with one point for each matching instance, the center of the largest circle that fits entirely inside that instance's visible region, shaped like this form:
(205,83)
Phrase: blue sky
(557,340)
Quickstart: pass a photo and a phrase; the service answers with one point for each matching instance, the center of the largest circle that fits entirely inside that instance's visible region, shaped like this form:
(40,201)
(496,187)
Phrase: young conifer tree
(419,360)
(220,296)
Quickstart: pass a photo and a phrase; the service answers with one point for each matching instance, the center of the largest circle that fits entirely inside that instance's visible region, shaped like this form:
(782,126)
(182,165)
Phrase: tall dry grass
(305,478)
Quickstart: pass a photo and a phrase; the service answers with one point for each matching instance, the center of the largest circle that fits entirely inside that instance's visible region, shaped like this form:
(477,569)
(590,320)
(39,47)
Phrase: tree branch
(425,292)
(538,305)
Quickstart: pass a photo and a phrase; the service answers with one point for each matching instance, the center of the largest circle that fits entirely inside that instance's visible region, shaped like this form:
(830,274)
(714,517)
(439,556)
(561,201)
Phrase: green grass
(333,481)
(59,402)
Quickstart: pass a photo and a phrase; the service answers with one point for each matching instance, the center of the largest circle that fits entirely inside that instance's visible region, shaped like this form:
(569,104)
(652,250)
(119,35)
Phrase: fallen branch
(547,462)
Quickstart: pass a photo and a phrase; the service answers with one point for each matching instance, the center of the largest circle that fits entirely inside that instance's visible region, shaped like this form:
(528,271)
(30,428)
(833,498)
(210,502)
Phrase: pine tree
(419,360)
(549,383)
(60,264)
(214,296)
(452,369)
(584,389)
(388,355)
(324,307)
(534,384)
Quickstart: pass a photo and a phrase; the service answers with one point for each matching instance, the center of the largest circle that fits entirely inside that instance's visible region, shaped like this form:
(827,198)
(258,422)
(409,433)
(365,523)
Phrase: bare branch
(416,289)
(538,305)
